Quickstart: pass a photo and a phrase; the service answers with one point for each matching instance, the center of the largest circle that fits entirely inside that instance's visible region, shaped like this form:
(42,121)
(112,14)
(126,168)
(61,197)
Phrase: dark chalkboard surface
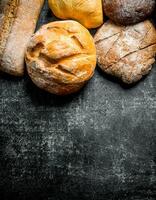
(98,144)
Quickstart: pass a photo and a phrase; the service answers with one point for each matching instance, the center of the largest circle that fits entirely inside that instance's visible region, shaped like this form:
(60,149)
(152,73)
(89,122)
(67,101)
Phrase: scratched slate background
(99,144)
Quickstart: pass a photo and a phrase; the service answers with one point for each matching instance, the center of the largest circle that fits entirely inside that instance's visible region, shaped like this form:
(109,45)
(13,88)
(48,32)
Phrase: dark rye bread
(127,12)
(18,20)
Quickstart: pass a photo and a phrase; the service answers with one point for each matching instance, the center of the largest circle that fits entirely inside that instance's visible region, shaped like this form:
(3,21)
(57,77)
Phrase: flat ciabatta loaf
(18,20)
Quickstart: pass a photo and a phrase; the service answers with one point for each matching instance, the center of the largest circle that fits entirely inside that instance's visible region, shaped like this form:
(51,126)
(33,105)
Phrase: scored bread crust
(18,20)
(126,52)
(61,57)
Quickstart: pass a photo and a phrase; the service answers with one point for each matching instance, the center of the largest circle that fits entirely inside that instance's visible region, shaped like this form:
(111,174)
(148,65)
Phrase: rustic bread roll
(17,23)
(128,12)
(61,57)
(126,52)
(88,13)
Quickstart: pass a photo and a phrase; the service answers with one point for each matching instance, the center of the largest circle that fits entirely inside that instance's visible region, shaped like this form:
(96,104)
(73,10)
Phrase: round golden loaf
(61,57)
(89,12)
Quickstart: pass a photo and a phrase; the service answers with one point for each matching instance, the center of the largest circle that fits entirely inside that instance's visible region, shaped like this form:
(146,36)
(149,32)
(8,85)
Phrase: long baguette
(18,20)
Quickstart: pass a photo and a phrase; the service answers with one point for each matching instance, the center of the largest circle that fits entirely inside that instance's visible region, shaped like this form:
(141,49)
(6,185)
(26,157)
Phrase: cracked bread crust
(126,52)
(18,20)
(61,57)
(127,12)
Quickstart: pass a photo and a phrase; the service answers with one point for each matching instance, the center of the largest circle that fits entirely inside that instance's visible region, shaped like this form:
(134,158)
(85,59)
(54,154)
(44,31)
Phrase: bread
(126,52)
(127,12)
(17,24)
(88,13)
(61,57)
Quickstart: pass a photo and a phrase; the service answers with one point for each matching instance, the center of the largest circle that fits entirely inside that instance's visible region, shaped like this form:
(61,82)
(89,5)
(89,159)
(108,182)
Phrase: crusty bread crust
(17,24)
(61,57)
(126,52)
(127,12)
(9,8)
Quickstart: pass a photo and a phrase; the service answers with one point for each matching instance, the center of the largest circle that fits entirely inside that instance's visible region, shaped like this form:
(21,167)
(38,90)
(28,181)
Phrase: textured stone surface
(95,145)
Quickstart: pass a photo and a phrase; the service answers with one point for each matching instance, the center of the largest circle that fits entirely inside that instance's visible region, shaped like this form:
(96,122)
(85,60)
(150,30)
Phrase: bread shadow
(40,97)
(118,81)
(7,77)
